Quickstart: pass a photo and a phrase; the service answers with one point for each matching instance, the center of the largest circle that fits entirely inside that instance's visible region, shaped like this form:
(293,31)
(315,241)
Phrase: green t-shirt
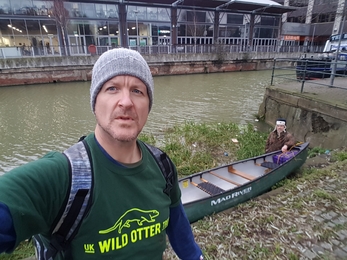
(128,217)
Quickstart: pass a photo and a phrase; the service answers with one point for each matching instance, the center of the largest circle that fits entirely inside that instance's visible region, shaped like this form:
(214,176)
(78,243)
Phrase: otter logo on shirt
(132,215)
(141,224)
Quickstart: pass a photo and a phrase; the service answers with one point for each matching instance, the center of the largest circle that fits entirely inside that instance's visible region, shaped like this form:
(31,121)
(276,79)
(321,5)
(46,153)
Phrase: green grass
(324,195)
(340,156)
(195,147)
(24,250)
(315,151)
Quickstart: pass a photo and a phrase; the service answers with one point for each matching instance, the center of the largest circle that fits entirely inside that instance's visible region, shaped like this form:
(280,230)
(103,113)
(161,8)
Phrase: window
(112,11)
(113,28)
(299,19)
(136,12)
(163,14)
(268,20)
(75,9)
(234,19)
(88,10)
(323,18)
(194,16)
(298,3)
(152,13)
(23,8)
(265,33)
(6,32)
(42,7)
(5,7)
(101,10)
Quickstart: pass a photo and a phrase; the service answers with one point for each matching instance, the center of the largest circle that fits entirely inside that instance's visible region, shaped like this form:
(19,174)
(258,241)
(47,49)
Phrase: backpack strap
(165,165)
(78,202)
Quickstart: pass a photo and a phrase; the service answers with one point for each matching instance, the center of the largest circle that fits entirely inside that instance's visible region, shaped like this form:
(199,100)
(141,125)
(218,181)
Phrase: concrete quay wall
(66,69)
(89,60)
(322,123)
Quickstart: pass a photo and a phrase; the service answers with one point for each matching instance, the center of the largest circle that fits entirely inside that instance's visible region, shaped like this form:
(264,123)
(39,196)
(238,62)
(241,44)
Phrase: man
(279,138)
(130,214)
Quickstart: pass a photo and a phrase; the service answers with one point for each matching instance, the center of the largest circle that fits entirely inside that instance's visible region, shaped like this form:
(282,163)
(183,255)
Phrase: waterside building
(57,27)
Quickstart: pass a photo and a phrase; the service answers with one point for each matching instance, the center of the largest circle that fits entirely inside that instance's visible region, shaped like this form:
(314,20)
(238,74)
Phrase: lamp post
(312,40)
(137,27)
(336,57)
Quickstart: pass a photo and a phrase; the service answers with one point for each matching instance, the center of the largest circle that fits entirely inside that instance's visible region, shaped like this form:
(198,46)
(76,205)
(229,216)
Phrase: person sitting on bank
(279,138)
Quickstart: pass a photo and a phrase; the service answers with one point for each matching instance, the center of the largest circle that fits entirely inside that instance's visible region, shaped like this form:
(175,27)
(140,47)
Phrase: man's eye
(111,88)
(137,91)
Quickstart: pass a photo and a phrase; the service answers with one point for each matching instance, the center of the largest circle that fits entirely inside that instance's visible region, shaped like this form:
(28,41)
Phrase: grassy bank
(195,147)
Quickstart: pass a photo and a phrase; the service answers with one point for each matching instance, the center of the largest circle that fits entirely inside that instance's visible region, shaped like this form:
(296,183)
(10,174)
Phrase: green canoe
(212,191)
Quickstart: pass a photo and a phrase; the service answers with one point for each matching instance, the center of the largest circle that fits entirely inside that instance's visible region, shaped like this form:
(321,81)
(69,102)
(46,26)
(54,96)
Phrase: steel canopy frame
(251,7)
(232,6)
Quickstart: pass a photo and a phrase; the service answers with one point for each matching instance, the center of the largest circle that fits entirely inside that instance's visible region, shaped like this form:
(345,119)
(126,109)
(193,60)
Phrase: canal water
(36,119)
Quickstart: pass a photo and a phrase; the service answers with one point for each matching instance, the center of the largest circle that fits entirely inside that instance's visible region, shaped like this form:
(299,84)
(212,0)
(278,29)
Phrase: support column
(309,12)
(285,15)
(174,28)
(284,20)
(339,16)
(251,30)
(216,27)
(308,21)
(123,32)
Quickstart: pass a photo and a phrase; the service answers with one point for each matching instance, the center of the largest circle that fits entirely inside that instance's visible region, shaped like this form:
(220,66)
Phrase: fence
(83,50)
(310,71)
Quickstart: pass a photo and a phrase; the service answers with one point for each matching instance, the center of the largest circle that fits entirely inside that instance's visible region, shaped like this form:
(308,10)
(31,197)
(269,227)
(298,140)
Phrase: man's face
(280,128)
(122,108)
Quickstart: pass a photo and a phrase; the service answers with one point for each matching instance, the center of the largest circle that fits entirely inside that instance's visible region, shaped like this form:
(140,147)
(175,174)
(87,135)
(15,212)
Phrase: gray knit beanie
(117,62)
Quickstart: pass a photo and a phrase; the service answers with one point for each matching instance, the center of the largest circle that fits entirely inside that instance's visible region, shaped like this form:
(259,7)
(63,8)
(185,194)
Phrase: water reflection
(40,118)
(207,98)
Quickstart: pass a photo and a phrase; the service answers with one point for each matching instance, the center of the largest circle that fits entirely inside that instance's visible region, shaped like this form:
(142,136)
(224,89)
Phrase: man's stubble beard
(113,134)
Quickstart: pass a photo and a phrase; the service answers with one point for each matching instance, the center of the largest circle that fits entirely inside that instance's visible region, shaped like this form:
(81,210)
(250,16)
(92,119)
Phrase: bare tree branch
(59,13)
(195,29)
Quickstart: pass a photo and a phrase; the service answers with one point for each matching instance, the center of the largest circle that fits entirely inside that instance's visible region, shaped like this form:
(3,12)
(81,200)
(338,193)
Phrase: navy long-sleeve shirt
(7,232)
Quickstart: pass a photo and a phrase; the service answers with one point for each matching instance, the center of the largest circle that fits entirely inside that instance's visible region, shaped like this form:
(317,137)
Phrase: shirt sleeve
(267,145)
(290,140)
(7,233)
(181,236)
(34,194)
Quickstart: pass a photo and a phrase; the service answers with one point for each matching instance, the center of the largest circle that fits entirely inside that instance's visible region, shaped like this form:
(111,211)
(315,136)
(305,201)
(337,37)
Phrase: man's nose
(125,99)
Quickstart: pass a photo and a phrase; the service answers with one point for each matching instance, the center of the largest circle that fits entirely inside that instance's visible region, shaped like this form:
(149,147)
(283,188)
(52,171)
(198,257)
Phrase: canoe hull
(200,208)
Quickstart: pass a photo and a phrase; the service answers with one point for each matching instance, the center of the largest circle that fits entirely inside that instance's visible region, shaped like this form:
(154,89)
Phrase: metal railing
(317,72)
(83,50)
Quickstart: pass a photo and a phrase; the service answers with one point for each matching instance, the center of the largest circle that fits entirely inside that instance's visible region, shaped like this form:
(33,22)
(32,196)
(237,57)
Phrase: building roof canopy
(235,6)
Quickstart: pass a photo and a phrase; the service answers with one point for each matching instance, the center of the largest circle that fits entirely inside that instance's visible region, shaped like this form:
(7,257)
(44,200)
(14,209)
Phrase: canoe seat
(225,179)
(269,165)
(210,188)
(241,174)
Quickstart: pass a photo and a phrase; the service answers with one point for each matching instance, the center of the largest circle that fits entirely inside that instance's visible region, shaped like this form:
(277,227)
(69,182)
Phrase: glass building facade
(34,27)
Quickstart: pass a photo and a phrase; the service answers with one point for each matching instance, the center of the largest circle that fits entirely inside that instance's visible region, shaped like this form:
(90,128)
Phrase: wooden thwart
(241,174)
(224,179)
